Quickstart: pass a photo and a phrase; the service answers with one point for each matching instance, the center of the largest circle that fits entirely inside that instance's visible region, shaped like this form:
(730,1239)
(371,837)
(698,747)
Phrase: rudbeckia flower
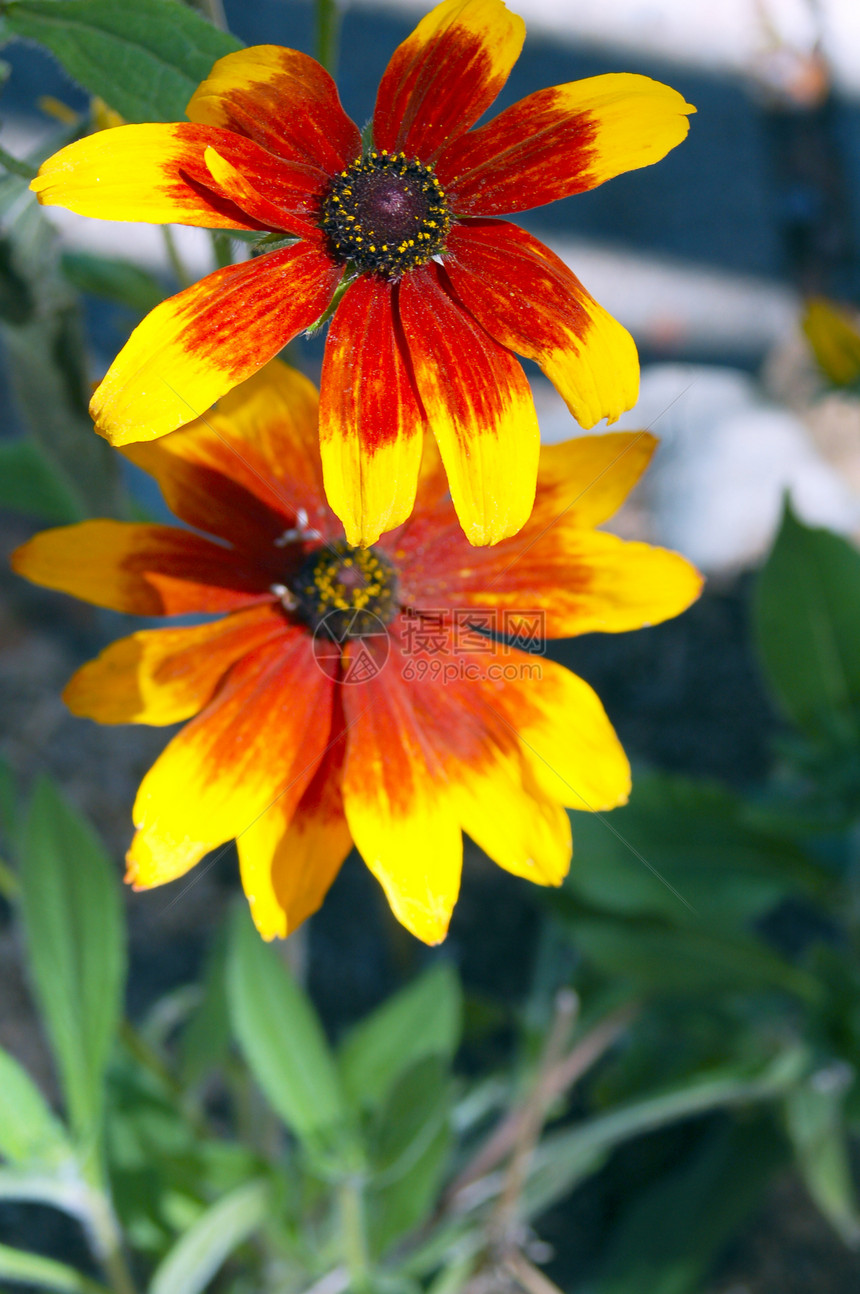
(431,294)
(348,695)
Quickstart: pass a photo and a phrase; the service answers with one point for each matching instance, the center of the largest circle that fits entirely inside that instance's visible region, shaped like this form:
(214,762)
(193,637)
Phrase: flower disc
(386,214)
(346,592)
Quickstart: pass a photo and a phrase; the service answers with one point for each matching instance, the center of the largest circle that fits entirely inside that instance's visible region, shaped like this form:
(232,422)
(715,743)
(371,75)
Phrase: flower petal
(236,185)
(489,783)
(445,75)
(248,467)
(564,733)
(371,424)
(585,480)
(572,581)
(144,570)
(588,478)
(563,140)
(528,300)
(197,345)
(289,860)
(162,676)
(260,741)
(158,173)
(283,100)
(477,400)
(396,803)
(515,824)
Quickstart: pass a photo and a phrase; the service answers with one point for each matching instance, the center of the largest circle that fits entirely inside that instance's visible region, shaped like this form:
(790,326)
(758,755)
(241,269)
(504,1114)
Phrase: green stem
(117,1272)
(16,167)
(352,1226)
(326,27)
(106,1239)
(9,887)
(221,248)
(333,305)
(180,273)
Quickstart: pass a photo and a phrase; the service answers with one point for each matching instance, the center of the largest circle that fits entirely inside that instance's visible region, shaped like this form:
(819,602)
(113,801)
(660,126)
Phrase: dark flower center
(386,214)
(345,592)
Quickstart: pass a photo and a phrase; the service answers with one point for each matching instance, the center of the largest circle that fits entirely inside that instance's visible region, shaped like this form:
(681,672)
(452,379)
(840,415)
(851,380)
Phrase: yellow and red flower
(434,293)
(347,695)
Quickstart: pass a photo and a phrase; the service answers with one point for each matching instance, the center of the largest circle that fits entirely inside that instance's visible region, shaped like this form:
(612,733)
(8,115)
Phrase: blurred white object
(668,304)
(726,459)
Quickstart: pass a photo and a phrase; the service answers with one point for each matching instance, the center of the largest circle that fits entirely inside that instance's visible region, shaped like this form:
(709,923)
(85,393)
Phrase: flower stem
(15,166)
(327,22)
(351,1200)
(105,1237)
(221,248)
(180,273)
(9,887)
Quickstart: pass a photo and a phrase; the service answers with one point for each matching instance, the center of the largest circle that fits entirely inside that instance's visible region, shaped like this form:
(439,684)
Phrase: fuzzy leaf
(29,1132)
(424,1019)
(807,613)
(30,484)
(75,940)
(44,1273)
(144,59)
(200,1252)
(281,1036)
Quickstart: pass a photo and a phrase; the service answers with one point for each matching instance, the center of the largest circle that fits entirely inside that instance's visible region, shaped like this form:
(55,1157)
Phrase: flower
(433,293)
(344,694)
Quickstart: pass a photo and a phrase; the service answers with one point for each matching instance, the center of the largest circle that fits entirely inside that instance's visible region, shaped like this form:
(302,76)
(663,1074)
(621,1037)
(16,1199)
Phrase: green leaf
(408,1146)
(163,1169)
(200,1252)
(816,1124)
(30,484)
(75,940)
(655,957)
(454,1276)
(48,377)
(698,836)
(564,1159)
(424,1019)
(8,800)
(144,59)
(46,359)
(45,1273)
(114,280)
(205,1040)
(281,1036)
(807,618)
(29,1132)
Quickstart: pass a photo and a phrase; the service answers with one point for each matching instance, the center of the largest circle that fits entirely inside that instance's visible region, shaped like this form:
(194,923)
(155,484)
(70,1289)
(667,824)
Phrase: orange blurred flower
(433,293)
(352,695)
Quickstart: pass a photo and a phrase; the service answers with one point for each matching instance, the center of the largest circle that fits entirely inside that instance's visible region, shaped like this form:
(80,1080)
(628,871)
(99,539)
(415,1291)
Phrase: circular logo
(351,647)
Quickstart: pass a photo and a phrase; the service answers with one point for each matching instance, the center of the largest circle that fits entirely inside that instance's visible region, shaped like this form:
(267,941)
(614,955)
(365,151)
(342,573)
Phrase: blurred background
(710,258)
